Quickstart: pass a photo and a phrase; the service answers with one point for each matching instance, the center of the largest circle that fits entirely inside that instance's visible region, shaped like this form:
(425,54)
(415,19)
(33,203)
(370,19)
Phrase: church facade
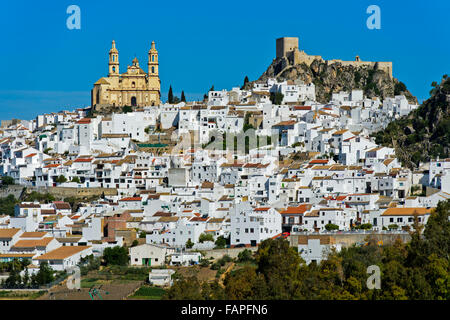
(135,87)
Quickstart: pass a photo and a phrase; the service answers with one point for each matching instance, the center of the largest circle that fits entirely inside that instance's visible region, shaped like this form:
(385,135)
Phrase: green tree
(189,244)
(205,237)
(76,179)
(126,109)
(221,242)
(185,289)
(135,243)
(170,95)
(245,82)
(280,265)
(183,97)
(61,179)
(245,284)
(331,227)
(7,180)
(116,256)
(7,205)
(276,97)
(245,256)
(43,276)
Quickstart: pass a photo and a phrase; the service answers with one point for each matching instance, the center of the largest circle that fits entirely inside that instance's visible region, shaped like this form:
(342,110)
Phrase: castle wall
(285,45)
(288,47)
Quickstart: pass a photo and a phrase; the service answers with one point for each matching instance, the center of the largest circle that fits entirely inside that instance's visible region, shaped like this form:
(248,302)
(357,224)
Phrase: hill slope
(425,132)
(329,78)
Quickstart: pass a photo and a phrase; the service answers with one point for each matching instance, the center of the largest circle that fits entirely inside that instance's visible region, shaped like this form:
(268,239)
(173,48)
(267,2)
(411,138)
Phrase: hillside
(425,132)
(329,78)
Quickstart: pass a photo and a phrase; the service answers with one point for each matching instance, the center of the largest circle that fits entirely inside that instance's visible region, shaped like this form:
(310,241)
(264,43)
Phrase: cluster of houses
(318,170)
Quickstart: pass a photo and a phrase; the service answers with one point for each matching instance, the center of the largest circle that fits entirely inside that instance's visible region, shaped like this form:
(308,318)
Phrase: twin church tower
(135,87)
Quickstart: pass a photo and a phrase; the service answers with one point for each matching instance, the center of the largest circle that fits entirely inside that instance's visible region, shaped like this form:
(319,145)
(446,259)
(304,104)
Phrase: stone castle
(135,87)
(287,47)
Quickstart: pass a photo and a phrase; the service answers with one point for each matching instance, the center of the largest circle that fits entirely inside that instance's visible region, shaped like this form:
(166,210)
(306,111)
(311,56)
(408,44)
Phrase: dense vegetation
(425,132)
(7,205)
(416,270)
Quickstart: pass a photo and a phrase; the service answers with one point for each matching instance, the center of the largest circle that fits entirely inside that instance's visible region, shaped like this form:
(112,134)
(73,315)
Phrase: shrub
(245,256)
(205,237)
(116,256)
(189,244)
(331,226)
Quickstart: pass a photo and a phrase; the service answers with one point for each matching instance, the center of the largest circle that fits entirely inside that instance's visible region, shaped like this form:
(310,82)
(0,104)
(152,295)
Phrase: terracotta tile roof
(33,243)
(262,209)
(131,199)
(36,234)
(297,210)
(84,121)
(83,160)
(8,233)
(406,211)
(62,252)
(55,165)
(319,161)
(61,205)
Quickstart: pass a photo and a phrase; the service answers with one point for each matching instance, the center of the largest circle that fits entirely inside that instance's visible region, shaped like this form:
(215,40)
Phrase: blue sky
(46,67)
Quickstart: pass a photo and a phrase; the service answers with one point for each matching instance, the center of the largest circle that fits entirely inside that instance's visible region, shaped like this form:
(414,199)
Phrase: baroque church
(135,87)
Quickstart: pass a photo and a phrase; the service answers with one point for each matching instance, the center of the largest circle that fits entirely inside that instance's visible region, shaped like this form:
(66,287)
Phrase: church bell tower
(113,61)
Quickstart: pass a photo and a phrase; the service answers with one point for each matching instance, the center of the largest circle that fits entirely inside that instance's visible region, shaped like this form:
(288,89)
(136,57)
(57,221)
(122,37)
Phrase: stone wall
(15,190)
(232,252)
(64,192)
(348,239)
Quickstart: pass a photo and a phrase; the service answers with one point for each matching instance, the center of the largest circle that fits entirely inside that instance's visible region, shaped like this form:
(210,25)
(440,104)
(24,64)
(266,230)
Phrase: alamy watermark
(374,20)
(73,281)
(74,20)
(374,280)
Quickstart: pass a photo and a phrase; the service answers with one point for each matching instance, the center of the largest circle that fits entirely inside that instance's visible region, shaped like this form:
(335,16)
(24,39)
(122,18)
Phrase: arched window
(153,69)
(114,69)
(133,84)
(153,58)
(114,58)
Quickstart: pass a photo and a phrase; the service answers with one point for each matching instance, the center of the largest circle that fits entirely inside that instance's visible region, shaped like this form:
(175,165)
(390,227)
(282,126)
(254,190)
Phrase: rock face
(330,78)
(425,132)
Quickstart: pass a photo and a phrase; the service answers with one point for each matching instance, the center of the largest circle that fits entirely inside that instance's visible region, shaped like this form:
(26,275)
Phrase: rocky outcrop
(330,78)
(425,132)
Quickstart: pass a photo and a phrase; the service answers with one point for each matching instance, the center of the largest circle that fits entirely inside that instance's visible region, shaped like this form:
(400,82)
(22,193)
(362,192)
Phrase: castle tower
(153,61)
(113,61)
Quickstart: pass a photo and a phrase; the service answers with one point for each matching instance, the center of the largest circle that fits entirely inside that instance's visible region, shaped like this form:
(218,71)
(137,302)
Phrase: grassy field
(148,293)
(20,295)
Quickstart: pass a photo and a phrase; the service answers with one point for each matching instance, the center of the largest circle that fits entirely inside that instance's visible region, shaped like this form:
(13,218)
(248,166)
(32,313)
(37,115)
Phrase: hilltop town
(168,180)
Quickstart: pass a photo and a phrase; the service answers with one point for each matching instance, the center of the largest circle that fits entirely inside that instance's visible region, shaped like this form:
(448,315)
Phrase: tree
(245,284)
(61,179)
(205,237)
(7,204)
(183,98)
(7,180)
(170,95)
(142,234)
(276,97)
(245,256)
(126,109)
(280,265)
(221,242)
(331,227)
(399,87)
(76,179)
(116,256)
(189,244)
(245,82)
(185,289)
(135,243)
(43,276)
